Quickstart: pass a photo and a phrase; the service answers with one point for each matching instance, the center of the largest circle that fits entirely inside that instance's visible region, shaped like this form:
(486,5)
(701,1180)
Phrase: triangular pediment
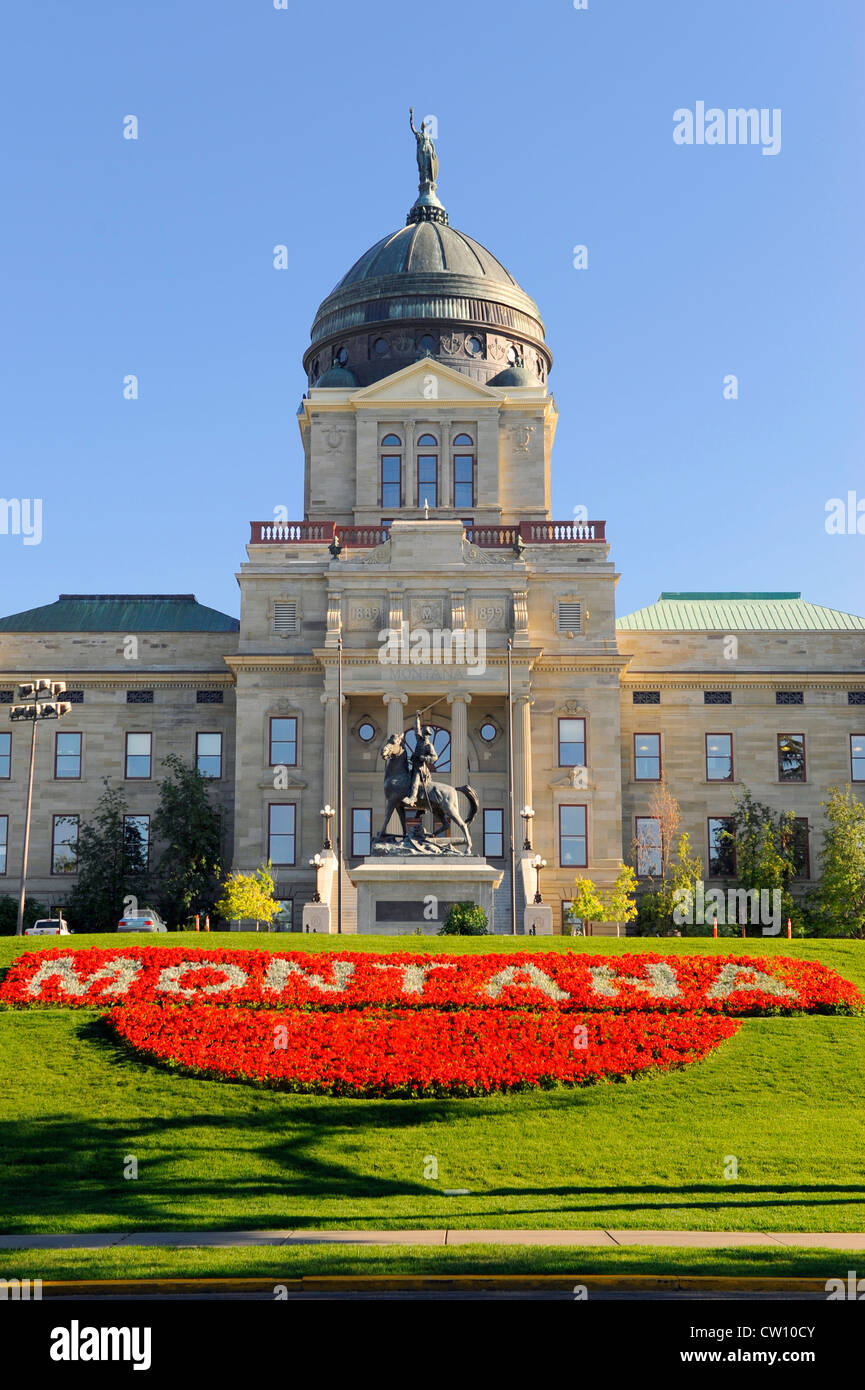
(426,380)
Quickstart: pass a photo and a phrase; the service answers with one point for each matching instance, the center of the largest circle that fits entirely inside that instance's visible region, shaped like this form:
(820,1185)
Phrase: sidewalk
(608,1239)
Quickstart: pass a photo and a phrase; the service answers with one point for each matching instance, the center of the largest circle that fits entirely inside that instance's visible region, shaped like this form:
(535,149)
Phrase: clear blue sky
(261,126)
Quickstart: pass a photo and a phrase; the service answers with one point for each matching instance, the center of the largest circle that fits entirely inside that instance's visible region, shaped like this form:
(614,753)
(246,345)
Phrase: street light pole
(339,786)
(19,926)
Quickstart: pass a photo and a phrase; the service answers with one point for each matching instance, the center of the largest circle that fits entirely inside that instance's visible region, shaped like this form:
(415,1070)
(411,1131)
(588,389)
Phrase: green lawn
(144,1262)
(784,1097)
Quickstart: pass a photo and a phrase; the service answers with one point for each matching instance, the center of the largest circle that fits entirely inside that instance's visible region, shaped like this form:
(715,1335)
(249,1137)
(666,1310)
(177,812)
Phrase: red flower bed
(543,981)
(415,1053)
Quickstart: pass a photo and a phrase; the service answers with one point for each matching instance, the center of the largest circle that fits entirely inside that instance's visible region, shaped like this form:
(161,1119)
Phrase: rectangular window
(572,836)
(791,757)
(391,480)
(208,697)
(789,697)
(139,697)
(136,834)
(208,754)
(5,755)
(427,480)
(648,847)
(717,697)
(572,743)
(361,830)
(67,755)
(64,845)
(569,615)
(464,480)
(719,757)
(857,758)
(722,852)
(801,847)
(280,833)
(4,841)
(647,757)
(494,834)
(138,755)
(283,742)
(284,617)
(647,697)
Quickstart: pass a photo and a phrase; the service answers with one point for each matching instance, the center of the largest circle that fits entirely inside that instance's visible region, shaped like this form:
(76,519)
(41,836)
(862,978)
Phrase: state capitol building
(427,429)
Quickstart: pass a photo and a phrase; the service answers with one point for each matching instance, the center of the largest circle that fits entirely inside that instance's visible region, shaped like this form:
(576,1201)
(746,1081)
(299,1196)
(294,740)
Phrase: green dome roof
(337,376)
(424,248)
(516,375)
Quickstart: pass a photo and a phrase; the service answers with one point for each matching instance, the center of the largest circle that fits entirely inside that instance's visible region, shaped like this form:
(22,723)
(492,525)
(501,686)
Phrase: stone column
(522,759)
(395,717)
(459,703)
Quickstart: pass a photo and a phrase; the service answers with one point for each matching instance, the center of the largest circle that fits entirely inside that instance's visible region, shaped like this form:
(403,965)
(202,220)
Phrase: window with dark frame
(138,826)
(139,697)
(647,697)
(64,844)
(801,847)
(572,742)
(573,843)
(464,471)
(67,755)
(208,697)
(719,757)
(789,697)
(717,697)
(647,757)
(722,851)
(281,820)
(4,842)
(5,756)
(361,831)
(494,833)
(648,846)
(283,741)
(391,471)
(856,697)
(791,758)
(857,758)
(139,750)
(427,471)
(208,754)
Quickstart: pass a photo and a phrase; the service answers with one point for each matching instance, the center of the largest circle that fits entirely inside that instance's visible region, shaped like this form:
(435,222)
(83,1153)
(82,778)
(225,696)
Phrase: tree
(9,913)
(838,906)
(765,842)
(617,904)
(464,919)
(111,864)
(249,897)
(189,829)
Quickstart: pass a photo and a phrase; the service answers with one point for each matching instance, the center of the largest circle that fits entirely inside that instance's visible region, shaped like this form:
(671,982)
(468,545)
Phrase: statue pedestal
(538,920)
(316,918)
(400,894)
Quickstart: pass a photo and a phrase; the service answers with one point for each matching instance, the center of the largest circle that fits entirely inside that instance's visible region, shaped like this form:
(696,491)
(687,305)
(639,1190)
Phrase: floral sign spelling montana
(404,1024)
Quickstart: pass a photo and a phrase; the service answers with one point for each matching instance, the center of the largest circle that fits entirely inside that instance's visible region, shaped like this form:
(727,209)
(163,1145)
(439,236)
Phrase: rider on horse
(423,759)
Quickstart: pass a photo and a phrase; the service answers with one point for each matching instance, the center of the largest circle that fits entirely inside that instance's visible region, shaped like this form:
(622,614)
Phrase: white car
(48,926)
(145,919)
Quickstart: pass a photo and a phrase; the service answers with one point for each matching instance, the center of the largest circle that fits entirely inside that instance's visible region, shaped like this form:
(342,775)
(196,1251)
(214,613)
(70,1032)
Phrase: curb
(432,1282)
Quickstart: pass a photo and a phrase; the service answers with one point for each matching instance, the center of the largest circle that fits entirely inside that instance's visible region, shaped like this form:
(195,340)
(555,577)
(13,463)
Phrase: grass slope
(784,1097)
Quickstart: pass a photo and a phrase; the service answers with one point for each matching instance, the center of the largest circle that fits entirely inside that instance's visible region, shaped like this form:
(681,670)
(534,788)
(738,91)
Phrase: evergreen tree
(188,828)
(112,865)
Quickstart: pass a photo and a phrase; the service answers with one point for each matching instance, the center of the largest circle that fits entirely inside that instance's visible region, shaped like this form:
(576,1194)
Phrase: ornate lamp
(527,814)
(537,864)
(316,862)
(328,812)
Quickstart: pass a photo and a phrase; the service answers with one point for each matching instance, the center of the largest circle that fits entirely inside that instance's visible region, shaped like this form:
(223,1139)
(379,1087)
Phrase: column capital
(461,696)
(394,699)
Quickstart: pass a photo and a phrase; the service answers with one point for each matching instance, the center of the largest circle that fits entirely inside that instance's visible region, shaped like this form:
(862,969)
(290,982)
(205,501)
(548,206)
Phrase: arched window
(391,471)
(441,743)
(464,471)
(427,471)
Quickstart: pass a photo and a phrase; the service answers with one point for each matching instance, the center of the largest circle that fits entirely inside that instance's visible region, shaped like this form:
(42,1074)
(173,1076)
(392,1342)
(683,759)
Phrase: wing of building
(426,548)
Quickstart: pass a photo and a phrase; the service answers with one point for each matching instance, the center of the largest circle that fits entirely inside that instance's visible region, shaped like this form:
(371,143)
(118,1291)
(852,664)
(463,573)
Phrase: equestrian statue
(409,782)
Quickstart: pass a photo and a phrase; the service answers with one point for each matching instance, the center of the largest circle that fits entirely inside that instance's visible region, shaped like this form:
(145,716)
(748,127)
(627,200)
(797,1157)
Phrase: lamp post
(339,779)
(315,863)
(527,814)
(328,812)
(42,703)
(537,864)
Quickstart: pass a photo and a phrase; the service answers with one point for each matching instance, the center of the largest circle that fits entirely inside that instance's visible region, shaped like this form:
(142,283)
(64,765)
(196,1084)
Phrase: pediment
(425,381)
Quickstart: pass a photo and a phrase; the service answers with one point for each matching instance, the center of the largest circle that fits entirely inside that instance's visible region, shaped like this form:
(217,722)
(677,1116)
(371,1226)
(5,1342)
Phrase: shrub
(465,919)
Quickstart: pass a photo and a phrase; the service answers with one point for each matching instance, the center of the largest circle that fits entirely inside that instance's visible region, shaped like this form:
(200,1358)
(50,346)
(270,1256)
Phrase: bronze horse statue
(438,797)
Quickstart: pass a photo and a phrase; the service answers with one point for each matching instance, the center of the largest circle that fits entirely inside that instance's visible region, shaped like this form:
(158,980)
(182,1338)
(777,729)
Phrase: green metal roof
(785,611)
(121,613)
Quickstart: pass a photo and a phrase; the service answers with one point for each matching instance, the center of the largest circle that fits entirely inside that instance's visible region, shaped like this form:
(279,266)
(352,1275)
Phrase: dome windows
(428,343)
(380,346)
(474,346)
(341,356)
